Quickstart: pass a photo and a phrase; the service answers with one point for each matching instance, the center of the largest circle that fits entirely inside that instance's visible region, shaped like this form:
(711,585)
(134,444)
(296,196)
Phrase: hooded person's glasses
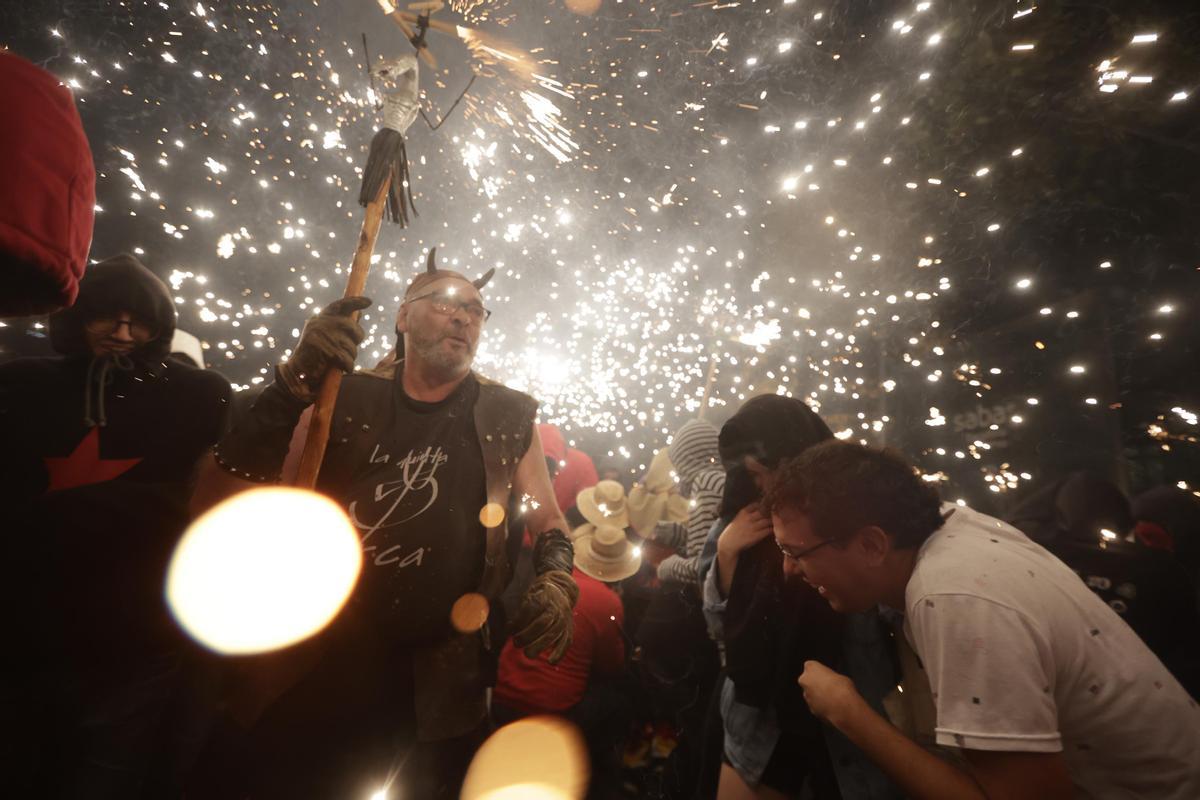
(106,326)
(446,303)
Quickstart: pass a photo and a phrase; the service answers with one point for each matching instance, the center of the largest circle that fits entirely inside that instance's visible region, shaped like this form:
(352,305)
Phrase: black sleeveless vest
(449,678)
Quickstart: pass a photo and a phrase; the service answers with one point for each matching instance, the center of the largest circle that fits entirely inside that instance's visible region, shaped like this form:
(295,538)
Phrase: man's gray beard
(446,363)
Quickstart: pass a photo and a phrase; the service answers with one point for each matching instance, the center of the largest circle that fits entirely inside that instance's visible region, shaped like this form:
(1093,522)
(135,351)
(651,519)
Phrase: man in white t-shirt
(1041,687)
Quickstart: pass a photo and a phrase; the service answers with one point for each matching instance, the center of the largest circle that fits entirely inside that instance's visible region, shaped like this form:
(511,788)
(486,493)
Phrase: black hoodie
(99,454)
(77,420)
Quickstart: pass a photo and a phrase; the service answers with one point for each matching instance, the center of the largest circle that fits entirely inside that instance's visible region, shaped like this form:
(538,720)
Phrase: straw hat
(656,499)
(604,504)
(607,555)
(586,529)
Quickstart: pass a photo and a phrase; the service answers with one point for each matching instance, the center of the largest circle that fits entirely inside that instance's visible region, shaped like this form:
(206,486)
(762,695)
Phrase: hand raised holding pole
(385,189)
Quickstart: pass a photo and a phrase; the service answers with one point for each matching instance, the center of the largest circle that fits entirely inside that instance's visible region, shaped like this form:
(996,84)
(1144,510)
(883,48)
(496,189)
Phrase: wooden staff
(322,413)
(708,384)
(385,192)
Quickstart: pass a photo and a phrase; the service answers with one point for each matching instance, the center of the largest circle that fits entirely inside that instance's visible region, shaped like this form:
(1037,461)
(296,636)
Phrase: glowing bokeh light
(537,758)
(263,570)
(469,612)
(491,515)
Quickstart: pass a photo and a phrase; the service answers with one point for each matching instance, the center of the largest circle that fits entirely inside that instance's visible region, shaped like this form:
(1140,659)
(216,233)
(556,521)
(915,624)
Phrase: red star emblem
(85,466)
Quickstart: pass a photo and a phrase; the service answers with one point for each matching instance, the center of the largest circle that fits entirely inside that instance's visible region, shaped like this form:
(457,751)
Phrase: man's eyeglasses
(796,555)
(444,303)
(106,326)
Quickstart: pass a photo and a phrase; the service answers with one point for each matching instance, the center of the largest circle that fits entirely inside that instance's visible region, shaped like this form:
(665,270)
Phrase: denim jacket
(752,733)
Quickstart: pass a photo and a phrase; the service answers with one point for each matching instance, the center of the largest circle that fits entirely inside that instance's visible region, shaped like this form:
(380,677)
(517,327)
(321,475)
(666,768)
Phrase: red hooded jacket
(48,195)
(576,471)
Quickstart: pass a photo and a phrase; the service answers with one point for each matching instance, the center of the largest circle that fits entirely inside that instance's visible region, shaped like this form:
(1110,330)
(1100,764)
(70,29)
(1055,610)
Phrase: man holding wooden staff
(427,457)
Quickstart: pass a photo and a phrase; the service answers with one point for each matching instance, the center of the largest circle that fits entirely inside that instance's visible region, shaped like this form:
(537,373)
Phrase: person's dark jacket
(772,626)
(1084,520)
(100,457)
(1176,512)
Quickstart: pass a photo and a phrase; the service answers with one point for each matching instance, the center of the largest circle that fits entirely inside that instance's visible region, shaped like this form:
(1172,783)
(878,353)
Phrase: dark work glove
(553,550)
(328,341)
(545,622)
(257,443)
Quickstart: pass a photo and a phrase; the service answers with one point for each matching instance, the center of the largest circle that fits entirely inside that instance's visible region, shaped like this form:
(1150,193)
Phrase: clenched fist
(831,696)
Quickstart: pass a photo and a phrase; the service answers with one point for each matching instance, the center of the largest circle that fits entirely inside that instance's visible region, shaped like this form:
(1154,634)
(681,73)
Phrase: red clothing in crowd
(576,471)
(534,685)
(49,192)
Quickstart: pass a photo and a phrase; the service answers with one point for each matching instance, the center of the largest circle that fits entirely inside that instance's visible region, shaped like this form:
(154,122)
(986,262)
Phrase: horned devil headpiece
(433,273)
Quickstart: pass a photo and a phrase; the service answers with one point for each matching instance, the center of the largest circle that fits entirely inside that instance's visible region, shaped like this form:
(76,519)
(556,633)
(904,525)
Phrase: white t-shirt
(1022,656)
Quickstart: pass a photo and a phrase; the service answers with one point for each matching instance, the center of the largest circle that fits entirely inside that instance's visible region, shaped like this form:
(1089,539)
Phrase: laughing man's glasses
(796,555)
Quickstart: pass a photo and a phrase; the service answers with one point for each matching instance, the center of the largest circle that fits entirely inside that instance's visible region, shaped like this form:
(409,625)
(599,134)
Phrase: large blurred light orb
(538,758)
(526,791)
(263,570)
(583,7)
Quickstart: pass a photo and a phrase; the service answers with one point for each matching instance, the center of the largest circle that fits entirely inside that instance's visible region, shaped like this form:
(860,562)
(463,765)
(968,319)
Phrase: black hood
(771,428)
(120,283)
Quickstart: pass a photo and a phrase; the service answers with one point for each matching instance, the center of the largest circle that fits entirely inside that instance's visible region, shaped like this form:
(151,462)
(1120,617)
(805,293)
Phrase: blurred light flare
(531,759)
(263,570)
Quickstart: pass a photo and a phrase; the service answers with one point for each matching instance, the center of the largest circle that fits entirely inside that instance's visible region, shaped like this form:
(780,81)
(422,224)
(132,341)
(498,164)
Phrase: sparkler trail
(814,199)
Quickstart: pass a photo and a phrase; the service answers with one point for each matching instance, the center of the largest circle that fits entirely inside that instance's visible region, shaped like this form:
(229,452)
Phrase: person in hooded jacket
(772,745)
(101,445)
(695,456)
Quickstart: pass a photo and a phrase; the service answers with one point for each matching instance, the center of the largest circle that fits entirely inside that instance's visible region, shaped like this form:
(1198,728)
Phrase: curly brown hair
(843,487)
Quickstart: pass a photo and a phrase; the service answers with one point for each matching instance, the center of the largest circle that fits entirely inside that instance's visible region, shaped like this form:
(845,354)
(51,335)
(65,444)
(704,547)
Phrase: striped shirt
(688,539)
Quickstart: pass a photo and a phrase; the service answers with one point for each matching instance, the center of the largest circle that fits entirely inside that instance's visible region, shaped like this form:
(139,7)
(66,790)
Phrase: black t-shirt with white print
(413,483)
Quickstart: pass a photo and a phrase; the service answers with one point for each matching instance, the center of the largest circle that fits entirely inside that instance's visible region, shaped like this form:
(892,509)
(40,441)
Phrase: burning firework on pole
(385,190)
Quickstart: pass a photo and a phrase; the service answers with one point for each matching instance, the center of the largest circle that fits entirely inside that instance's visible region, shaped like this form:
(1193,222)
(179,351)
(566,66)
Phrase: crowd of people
(766,612)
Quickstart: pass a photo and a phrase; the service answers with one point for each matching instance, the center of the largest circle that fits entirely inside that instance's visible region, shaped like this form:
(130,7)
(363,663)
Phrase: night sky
(967,229)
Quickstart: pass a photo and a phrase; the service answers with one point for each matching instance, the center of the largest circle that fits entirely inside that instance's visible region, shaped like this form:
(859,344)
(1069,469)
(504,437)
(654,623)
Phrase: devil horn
(430,264)
(483,279)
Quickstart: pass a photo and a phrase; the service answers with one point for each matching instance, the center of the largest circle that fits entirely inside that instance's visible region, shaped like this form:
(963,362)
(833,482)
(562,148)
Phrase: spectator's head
(607,471)
(655,498)
(1176,513)
(554,448)
(693,450)
(553,445)
(605,553)
(849,520)
(1087,505)
(604,504)
(48,194)
(122,309)
(756,440)
(441,319)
